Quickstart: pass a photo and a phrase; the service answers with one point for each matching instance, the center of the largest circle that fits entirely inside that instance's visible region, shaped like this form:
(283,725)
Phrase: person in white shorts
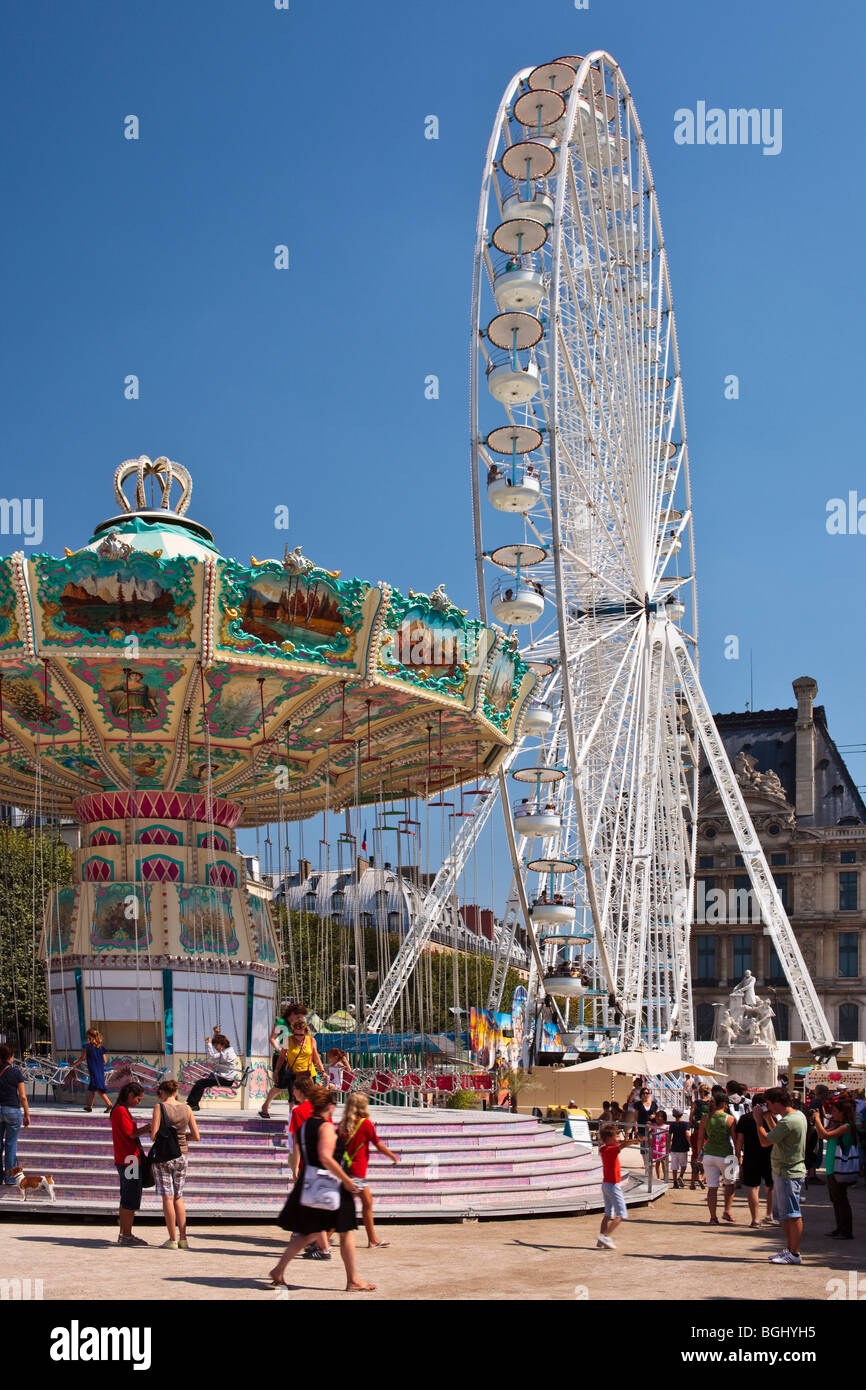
(615,1209)
(716,1136)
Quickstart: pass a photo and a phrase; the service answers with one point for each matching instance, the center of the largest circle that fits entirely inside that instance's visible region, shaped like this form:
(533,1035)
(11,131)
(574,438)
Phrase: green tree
(30,865)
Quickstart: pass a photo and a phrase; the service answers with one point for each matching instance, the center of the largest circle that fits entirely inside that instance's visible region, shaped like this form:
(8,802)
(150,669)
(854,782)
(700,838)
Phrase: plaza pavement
(666,1251)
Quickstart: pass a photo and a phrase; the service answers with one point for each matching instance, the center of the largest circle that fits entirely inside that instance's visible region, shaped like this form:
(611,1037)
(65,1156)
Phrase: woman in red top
(354,1137)
(128,1159)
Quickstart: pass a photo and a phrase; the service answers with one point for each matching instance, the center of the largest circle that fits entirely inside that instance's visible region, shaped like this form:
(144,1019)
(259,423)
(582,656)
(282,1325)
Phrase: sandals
(265,1114)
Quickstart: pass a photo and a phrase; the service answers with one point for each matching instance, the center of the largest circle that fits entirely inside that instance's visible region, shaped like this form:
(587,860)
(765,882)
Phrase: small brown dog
(30,1182)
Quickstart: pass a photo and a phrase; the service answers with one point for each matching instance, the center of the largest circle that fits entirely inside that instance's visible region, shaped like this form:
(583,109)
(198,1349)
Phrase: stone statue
(762,1016)
(727,1029)
(746,1042)
(770,784)
(746,989)
(745,769)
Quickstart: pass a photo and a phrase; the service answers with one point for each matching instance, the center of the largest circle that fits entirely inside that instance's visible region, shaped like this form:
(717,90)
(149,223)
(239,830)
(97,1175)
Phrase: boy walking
(611,1187)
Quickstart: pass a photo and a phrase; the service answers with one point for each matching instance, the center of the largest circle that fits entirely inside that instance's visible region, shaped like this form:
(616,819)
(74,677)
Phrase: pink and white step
(452,1165)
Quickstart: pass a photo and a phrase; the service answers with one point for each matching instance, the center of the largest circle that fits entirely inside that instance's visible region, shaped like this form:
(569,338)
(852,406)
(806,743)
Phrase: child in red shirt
(614,1202)
(355,1135)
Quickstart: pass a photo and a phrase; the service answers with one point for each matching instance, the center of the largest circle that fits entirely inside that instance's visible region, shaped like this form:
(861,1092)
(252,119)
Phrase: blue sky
(306,387)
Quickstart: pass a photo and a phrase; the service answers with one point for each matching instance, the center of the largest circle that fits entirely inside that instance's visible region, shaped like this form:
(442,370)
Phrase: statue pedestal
(754,1065)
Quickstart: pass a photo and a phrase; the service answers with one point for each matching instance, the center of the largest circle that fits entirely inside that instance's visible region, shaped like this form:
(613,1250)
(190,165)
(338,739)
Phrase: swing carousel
(163,696)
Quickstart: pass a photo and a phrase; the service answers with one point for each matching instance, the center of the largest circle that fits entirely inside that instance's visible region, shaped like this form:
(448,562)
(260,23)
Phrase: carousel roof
(146,661)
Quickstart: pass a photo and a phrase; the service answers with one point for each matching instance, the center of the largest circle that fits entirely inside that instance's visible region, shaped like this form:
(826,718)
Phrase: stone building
(811,821)
(391,900)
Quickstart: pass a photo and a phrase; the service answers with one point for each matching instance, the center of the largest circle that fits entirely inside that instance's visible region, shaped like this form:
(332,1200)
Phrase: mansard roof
(769,736)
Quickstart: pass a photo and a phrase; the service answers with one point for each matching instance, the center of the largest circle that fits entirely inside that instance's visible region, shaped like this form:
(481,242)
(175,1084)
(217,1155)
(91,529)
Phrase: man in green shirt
(782,1128)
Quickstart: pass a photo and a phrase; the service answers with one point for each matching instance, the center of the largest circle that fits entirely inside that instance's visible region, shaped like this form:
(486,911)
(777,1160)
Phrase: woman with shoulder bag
(322,1198)
(841,1161)
(170,1123)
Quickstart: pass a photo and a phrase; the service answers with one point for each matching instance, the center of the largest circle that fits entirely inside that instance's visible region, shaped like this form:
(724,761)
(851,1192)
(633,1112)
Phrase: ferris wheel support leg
(501,961)
(635,964)
(438,898)
(518,875)
(776,924)
(531,1021)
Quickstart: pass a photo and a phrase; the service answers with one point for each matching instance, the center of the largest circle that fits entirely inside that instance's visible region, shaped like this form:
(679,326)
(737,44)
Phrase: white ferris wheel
(582,516)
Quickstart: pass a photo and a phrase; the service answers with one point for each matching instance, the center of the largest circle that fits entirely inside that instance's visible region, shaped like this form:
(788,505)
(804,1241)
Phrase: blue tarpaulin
(382,1042)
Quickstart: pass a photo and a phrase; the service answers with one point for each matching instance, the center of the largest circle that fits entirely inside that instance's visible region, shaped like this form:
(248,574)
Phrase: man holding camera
(782,1128)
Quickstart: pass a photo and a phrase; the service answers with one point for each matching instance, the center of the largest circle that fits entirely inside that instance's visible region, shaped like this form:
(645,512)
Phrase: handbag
(146,1162)
(319,1188)
(846,1168)
(166,1145)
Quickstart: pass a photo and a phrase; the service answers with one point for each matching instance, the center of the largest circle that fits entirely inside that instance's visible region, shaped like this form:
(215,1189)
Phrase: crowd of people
(329,1160)
(731,1139)
(768,1144)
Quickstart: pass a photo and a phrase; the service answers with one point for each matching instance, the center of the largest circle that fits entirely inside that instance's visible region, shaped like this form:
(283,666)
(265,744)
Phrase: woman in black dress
(319,1141)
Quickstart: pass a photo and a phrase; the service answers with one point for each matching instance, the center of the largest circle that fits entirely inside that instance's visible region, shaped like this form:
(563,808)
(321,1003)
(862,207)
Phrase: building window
(782,885)
(848,856)
(709,833)
(707,959)
(849,965)
(704,1022)
(705,861)
(742,955)
(782,1022)
(848,892)
(739,861)
(743,901)
(310,902)
(849,1022)
(775,829)
(338,901)
(366,919)
(394,921)
(777,859)
(775,968)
